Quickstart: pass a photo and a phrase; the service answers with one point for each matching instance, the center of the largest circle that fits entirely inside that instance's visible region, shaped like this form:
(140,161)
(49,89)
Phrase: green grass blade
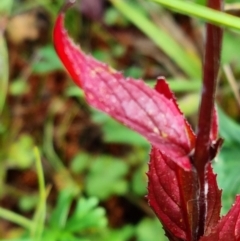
(180,85)
(186,61)
(207,14)
(5,9)
(3,71)
(189,104)
(40,213)
(15,218)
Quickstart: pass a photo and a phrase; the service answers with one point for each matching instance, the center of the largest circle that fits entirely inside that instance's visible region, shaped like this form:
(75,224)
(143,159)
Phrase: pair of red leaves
(154,114)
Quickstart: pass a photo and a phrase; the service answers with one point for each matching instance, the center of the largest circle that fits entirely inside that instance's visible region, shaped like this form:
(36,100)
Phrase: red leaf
(213,200)
(132,102)
(171,193)
(229,226)
(66,50)
(163,88)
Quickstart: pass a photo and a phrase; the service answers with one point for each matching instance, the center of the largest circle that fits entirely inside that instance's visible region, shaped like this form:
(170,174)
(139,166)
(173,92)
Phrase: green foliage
(6,6)
(229,54)
(134,72)
(202,12)
(113,17)
(139,181)
(86,220)
(4,67)
(18,87)
(20,152)
(106,177)
(228,164)
(100,176)
(28,203)
(117,133)
(80,163)
(121,234)
(47,60)
(186,61)
(149,229)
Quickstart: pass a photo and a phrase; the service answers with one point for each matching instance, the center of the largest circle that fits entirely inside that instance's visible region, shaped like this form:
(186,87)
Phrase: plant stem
(40,213)
(15,218)
(210,73)
(3,67)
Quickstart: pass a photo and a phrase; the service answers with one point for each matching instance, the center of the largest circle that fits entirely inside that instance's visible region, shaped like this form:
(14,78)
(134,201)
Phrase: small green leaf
(228,128)
(74,91)
(149,229)
(20,152)
(80,162)
(87,216)
(228,165)
(139,181)
(116,132)
(48,60)
(227,168)
(106,177)
(27,203)
(123,234)
(60,213)
(18,87)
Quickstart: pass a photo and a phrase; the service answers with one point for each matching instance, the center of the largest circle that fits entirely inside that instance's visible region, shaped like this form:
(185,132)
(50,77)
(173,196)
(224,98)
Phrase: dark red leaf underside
(127,100)
(228,229)
(171,193)
(213,200)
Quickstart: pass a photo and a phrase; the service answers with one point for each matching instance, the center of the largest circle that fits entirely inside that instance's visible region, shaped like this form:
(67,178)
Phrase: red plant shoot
(182,188)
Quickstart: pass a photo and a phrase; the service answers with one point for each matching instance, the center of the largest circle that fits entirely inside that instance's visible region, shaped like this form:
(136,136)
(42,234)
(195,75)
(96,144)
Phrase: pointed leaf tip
(64,47)
(153,114)
(162,87)
(228,228)
(213,200)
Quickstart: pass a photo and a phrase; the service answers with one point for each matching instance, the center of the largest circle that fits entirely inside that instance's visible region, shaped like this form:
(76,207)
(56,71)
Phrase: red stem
(211,64)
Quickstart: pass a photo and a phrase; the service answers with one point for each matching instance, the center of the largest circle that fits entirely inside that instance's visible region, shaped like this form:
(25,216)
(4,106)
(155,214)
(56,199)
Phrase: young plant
(182,189)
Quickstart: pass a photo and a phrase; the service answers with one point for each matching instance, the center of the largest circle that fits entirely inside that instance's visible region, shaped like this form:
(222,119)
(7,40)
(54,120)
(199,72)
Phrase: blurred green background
(69,172)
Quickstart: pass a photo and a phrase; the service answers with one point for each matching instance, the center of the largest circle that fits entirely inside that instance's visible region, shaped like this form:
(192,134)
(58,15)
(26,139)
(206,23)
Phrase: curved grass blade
(189,64)
(199,11)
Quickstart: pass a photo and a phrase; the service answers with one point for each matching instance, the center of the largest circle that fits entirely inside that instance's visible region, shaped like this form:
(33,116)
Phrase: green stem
(40,174)
(3,71)
(40,214)
(48,147)
(15,218)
